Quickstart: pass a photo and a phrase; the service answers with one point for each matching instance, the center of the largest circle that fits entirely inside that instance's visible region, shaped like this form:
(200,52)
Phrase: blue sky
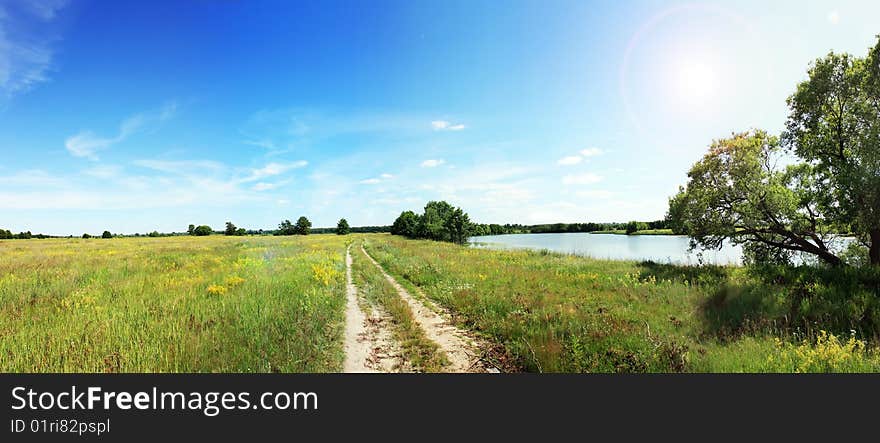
(135,116)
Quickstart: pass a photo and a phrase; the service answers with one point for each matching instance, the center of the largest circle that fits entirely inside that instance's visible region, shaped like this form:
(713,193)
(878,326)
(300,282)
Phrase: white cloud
(46,10)
(181,167)
(591,152)
(432,163)
(370,181)
(25,45)
(273,169)
(386,176)
(581,179)
(87,144)
(263,186)
(570,160)
(443,125)
(103,171)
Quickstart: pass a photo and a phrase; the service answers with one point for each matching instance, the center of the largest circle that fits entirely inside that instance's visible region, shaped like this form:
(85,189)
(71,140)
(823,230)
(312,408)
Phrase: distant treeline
(440,221)
(629,227)
(353,229)
(6,234)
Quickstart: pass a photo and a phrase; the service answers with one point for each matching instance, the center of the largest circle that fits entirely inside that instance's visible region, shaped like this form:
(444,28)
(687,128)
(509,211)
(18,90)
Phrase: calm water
(659,248)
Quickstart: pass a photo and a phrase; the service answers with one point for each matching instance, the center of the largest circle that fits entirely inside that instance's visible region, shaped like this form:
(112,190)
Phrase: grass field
(553,312)
(276,304)
(180,304)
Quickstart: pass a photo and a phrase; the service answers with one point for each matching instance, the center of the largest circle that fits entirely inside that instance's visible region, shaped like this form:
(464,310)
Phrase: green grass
(654,232)
(563,313)
(422,353)
(611,231)
(180,304)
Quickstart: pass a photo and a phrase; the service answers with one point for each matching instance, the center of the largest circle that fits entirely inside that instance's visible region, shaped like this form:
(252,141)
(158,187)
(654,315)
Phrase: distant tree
(432,222)
(286,228)
(202,231)
(635,226)
(303,226)
(342,227)
(441,221)
(241,232)
(406,224)
(191,230)
(230,229)
(6,234)
(457,226)
(24,235)
(86,236)
(106,234)
(155,234)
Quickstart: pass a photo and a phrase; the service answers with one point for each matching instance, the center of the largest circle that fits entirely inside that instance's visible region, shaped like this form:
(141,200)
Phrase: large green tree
(406,224)
(737,192)
(342,227)
(303,226)
(831,183)
(432,224)
(834,126)
(458,226)
(231,229)
(286,228)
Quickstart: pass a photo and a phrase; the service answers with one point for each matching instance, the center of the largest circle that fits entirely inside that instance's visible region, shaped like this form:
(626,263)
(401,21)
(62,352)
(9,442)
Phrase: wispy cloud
(87,144)
(581,156)
(581,179)
(376,180)
(570,160)
(103,171)
(182,167)
(26,51)
(432,163)
(443,125)
(591,152)
(273,169)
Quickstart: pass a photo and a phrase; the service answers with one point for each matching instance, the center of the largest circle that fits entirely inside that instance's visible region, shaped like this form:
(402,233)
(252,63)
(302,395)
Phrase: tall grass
(563,313)
(182,304)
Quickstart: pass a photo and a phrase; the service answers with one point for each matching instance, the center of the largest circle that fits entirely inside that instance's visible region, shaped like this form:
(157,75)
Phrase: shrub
(202,231)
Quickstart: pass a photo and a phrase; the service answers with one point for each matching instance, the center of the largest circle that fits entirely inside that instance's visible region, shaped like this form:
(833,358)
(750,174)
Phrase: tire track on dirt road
(368,344)
(463,354)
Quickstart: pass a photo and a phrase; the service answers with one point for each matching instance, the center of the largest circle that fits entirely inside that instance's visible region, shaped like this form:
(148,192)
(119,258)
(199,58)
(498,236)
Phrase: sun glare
(696,83)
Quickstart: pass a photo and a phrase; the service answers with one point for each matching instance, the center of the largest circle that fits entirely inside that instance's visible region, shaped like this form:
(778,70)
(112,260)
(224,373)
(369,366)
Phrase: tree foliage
(199,231)
(737,192)
(342,227)
(440,221)
(286,228)
(107,234)
(834,126)
(303,226)
(830,186)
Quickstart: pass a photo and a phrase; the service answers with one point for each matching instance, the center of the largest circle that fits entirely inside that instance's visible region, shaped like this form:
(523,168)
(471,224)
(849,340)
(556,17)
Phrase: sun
(696,82)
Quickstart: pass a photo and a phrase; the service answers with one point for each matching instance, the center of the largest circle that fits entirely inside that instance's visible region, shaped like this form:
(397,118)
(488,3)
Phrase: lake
(659,248)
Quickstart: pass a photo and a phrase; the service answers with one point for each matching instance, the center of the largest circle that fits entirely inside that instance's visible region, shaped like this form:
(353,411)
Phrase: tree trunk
(874,249)
(829,258)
